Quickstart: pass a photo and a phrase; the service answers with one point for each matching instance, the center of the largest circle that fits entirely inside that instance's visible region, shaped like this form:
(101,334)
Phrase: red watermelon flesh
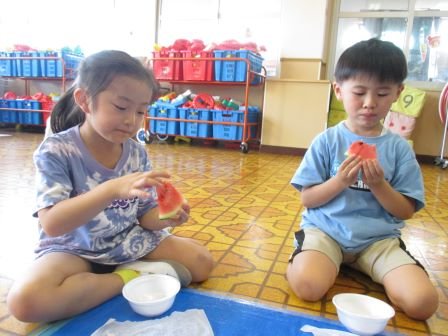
(170,200)
(362,149)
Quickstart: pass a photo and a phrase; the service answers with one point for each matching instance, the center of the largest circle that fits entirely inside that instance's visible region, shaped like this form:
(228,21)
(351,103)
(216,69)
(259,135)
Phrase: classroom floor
(244,211)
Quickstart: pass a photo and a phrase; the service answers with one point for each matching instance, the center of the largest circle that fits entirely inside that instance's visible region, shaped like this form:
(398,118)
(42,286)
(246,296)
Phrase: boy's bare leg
(60,285)
(409,288)
(311,274)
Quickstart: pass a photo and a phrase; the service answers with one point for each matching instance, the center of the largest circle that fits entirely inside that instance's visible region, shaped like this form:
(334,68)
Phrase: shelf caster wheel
(445,164)
(438,161)
(143,136)
(244,147)
(162,137)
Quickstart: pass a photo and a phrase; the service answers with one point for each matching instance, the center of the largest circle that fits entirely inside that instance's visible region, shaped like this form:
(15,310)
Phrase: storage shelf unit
(61,72)
(245,126)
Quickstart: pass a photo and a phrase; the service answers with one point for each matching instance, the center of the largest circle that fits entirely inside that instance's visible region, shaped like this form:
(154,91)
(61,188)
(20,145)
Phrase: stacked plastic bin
(14,115)
(33,64)
(202,66)
(235,132)
(181,121)
(8,116)
(195,129)
(236,71)
(166,67)
(164,110)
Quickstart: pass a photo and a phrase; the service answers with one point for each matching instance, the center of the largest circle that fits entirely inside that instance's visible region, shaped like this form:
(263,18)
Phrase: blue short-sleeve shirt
(354,218)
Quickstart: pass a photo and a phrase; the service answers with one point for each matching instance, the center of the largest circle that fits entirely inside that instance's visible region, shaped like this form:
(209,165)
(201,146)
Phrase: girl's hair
(95,74)
(379,59)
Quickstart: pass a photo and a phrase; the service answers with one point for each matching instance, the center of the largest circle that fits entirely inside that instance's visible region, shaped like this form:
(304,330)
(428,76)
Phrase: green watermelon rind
(169,215)
(173,213)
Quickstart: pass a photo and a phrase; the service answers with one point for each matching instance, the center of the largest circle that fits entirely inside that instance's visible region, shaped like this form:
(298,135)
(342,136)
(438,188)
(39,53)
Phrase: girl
(95,199)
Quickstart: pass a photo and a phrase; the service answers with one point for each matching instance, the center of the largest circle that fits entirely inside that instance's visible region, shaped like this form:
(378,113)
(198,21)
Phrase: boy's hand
(349,169)
(372,173)
(136,184)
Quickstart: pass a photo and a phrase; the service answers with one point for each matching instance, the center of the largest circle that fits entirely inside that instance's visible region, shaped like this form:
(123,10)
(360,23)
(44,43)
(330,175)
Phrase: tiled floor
(245,211)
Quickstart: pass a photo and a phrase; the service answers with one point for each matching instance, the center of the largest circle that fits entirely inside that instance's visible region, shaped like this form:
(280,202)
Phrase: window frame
(408,15)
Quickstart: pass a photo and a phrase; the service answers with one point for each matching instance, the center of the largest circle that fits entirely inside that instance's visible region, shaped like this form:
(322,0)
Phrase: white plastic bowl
(151,295)
(362,314)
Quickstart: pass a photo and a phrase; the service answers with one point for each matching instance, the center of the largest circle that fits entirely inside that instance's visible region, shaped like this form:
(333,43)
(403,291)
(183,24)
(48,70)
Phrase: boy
(355,208)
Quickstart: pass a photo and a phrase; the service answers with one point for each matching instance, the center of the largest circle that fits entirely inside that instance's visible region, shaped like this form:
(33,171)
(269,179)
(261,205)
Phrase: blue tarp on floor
(227,316)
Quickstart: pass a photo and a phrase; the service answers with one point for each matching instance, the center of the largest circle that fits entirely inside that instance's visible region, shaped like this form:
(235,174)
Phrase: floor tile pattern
(245,211)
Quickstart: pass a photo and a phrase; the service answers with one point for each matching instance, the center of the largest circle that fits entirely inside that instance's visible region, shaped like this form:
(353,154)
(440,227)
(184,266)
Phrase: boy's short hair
(380,59)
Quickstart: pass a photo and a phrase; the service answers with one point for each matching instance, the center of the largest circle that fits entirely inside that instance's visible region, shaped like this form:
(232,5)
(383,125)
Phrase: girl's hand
(372,173)
(349,169)
(137,184)
(181,217)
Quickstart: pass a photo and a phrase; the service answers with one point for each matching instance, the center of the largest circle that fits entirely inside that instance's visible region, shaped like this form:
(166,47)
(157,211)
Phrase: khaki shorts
(376,260)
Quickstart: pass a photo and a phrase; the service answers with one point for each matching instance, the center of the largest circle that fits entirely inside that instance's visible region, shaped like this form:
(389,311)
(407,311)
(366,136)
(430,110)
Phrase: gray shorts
(376,260)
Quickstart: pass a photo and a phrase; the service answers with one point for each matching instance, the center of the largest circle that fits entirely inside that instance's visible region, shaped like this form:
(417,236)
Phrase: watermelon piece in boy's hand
(170,200)
(362,149)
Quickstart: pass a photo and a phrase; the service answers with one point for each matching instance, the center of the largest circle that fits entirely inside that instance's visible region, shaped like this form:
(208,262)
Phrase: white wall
(130,25)
(94,25)
(303,28)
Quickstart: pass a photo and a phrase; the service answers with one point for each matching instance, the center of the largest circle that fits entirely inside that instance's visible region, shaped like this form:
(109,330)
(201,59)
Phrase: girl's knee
(203,265)
(23,303)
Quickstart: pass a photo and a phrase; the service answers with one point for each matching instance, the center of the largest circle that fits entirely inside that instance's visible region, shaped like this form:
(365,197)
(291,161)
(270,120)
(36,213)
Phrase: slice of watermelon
(170,200)
(362,149)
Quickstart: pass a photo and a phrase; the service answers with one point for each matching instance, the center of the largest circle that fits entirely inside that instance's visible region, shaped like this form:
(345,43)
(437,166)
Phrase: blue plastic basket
(53,67)
(28,117)
(5,65)
(13,64)
(202,130)
(32,118)
(18,64)
(152,112)
(22,117)
(37,65)
(26,64)
(236,71)
(8,116)
(4,114)
(164,126)
(234,132)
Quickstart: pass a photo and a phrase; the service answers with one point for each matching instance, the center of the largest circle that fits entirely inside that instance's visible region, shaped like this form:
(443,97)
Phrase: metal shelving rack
(245,124)
(28,79)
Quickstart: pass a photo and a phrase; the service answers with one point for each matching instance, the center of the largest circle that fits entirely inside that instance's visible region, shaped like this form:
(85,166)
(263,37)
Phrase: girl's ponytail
(66,113)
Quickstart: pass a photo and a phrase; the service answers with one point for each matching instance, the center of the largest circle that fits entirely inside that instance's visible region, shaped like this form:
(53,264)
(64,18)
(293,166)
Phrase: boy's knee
(307,284)
(307,288)
(421,307)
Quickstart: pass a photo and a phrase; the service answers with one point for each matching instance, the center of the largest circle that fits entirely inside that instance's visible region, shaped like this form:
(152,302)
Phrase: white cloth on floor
(325,332)
(187,323)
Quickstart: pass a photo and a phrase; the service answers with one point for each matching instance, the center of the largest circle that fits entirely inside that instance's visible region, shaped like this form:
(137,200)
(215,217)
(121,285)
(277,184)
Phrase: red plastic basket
(166,68)
(48,106)
(198,70)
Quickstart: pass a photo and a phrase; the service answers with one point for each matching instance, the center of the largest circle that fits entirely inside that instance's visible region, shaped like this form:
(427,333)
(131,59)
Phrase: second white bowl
(362,314)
